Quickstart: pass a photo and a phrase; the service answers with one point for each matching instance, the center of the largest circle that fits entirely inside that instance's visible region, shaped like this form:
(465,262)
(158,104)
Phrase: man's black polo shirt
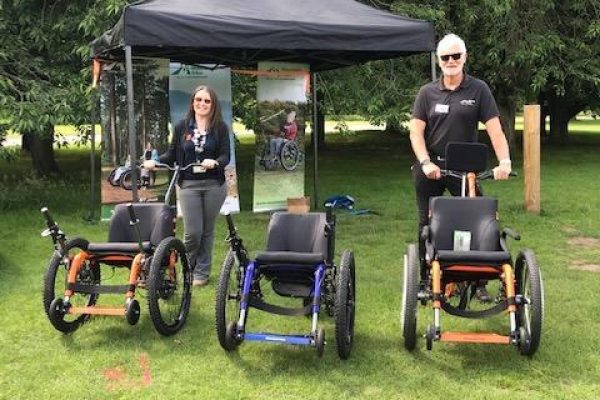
(452,115)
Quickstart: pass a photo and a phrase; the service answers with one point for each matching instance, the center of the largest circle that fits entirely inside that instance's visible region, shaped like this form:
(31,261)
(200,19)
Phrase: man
(448,110)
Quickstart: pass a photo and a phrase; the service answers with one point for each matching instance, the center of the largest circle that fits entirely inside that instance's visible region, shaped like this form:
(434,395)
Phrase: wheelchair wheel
(530,314)
(409,297)
(169,287)
(111,178)
(126,181)
(227,303)
(345,301)
(55,283)
(289,155)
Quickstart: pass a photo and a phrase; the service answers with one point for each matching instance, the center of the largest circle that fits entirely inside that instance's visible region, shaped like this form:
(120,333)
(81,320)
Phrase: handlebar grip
(230,224)
(49,221)
(132,216)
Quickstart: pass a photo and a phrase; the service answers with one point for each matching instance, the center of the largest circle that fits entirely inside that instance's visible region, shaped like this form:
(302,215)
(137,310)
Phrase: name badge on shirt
(442,108)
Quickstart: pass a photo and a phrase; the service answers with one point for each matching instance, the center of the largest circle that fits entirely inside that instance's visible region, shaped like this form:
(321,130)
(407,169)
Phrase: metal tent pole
(433,61)
(92,214)
(131,125)
(315,140)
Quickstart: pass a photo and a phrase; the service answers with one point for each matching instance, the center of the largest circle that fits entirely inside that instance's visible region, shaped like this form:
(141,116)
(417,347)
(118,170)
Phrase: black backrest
(156,223)
(303,233)
(466,157)
(476,215)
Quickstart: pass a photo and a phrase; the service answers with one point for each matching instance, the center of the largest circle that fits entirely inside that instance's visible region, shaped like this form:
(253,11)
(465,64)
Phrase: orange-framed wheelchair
(464,246)
(141,239)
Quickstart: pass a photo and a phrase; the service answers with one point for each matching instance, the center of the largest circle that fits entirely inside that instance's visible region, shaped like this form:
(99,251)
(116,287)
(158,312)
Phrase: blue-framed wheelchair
(465,246)
(298,263)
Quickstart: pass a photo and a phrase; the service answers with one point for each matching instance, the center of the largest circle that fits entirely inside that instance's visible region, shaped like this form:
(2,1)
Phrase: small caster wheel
(430,336)
(230,336)
(132,312)
(320,342)
(524,341)
(56,311)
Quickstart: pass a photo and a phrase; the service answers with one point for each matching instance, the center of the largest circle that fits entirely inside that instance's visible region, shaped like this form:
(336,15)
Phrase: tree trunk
(26,142)
(507,119)
(559,121)
(42,152)
(321,129)
(392,126)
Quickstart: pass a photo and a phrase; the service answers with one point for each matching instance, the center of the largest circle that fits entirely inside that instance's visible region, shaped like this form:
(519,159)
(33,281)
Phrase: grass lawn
(107,358)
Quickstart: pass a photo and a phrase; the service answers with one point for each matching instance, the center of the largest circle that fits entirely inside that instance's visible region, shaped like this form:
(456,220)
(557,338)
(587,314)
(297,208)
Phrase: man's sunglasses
(200,100)
(455,56)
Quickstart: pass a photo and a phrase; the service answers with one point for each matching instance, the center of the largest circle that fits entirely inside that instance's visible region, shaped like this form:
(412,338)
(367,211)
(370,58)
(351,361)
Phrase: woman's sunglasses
(455,56)
(200,100)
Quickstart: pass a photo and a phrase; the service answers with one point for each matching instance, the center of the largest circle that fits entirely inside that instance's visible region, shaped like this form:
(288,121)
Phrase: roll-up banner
(279,160)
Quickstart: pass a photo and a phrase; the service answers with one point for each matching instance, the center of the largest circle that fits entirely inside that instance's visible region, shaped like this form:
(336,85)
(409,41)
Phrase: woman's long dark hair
(215,118)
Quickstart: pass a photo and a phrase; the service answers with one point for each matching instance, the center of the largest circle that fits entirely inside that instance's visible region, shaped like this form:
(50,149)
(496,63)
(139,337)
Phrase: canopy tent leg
(131,125)
(315,140)
(433,60)
(92,215)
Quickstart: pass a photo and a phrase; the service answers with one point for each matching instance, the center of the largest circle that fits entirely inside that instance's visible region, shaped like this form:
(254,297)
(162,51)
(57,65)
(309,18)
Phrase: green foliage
(44,65)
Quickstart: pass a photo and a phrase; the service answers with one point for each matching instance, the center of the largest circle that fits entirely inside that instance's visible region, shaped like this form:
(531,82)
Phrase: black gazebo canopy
(323,33)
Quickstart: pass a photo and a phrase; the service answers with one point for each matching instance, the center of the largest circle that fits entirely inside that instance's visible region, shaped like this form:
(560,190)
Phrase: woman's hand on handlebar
(209,163)
(502,171)
(431,171)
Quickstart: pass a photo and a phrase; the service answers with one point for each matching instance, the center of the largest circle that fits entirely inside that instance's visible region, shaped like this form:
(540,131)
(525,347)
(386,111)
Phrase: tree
(44,67)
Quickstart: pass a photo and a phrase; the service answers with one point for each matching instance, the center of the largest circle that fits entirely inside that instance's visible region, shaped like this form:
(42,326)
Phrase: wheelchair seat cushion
(300,233)
(474,215)
(289,258)
(156,222)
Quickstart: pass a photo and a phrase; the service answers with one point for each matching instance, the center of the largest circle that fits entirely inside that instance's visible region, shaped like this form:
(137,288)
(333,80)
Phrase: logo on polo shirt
(470,102)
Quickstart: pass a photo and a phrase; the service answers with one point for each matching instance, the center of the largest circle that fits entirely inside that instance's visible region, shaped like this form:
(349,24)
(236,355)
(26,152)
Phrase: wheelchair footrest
(120,311)
(301,340)
(474,337)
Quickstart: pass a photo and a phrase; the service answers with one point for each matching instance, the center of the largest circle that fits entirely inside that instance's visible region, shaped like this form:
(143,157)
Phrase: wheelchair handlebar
(230,224)
(176,167)
(489,174)
(49,221)
(132,217)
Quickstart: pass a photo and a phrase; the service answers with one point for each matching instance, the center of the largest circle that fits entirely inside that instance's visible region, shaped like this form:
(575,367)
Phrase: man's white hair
(451,39)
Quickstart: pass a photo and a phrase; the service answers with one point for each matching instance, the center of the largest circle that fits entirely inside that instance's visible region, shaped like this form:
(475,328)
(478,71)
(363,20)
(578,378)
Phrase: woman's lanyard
(198,138)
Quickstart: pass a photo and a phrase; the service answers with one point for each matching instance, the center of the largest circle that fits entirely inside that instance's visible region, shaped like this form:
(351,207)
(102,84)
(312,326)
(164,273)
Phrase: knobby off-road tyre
(227,301)
(169,290)
(409,297)
(345,305)
(530,314)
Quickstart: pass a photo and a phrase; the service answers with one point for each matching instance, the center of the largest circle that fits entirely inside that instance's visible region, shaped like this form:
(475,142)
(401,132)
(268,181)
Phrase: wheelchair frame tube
(316,306)
(248,277)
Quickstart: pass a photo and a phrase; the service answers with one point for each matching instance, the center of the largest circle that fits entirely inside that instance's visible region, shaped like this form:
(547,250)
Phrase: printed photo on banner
(279,155)
(152,133)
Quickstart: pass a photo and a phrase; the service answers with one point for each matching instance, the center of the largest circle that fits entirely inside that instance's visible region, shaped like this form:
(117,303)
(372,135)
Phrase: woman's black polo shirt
(452,115)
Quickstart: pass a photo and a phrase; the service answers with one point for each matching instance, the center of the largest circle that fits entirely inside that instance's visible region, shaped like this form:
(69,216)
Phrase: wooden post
(531,157)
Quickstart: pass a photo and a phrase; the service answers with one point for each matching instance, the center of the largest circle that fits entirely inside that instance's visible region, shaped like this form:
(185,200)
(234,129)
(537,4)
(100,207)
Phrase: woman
(202,138)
